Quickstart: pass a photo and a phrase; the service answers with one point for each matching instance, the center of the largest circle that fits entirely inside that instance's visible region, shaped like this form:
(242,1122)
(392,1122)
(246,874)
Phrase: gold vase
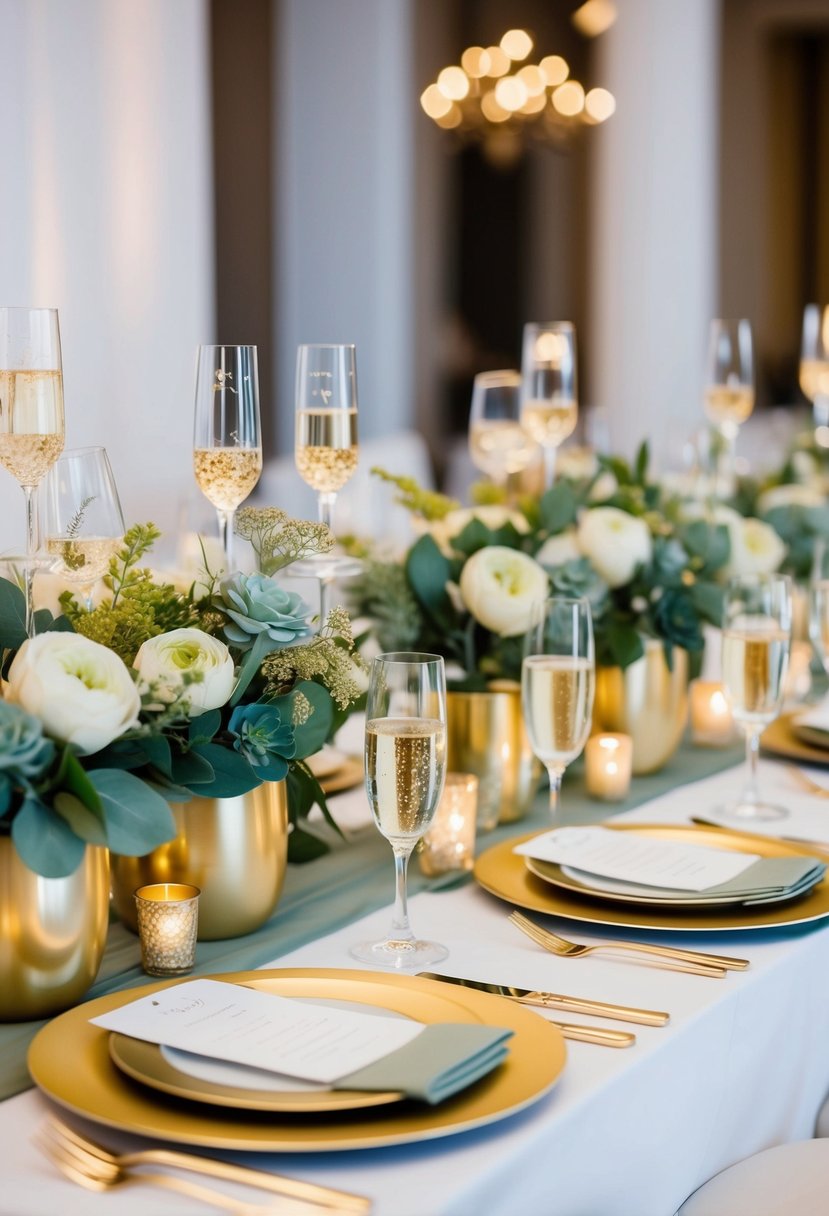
(235,850)
(53,933)
(486,736)
(647,701)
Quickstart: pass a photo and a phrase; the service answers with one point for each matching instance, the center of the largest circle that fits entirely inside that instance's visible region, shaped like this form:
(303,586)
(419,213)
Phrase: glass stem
(31,549)
(401,930)
(820,411)
(325,596)
(725,462)
(555,774)
(751,793)
(326,509)
(226,536)
(549,466)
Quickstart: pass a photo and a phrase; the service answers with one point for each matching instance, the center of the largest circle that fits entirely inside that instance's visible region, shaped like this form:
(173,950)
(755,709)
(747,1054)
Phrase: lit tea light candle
(712,724)
(608,763)
(449,844)
(168,918)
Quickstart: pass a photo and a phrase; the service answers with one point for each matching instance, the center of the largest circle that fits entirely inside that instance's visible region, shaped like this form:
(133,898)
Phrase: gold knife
(553,1000)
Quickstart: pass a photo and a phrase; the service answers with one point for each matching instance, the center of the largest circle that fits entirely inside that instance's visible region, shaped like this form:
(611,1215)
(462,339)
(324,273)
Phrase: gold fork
(68,1140)
(695,962)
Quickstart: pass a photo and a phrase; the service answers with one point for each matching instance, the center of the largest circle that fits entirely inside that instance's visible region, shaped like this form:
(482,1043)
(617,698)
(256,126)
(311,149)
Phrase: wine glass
(549,409)
(81,522)
(557,684)
(31,410)
(498,443)
(227,445)
(814,364)
(757,628)
(728,396)
(326,449)
(819,602)
(405,771)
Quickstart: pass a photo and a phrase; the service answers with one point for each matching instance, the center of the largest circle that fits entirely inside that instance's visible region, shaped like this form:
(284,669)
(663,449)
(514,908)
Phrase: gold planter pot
(486,736)
(53,933)
(647,702)
(235,850)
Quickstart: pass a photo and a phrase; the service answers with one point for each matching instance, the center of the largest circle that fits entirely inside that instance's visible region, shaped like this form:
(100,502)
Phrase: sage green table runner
(355,878)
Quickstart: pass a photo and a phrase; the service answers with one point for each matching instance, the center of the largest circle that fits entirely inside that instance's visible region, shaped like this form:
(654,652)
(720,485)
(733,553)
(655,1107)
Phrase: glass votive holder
(608,766)
(449,844)
(712,724)
(168,920)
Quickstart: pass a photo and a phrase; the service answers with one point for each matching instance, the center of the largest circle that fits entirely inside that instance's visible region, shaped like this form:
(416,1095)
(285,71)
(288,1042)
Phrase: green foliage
(428,504)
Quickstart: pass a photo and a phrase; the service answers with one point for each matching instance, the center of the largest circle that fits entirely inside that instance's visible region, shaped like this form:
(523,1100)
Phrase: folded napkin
(444,1059)
(768,880)
(816,717)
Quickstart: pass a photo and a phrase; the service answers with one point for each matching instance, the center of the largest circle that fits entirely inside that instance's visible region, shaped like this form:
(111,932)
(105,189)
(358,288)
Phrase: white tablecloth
(744,1064)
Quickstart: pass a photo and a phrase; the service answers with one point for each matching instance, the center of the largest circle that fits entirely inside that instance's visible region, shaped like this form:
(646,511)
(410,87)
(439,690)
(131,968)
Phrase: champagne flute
(80,517)
(227,447)
(549,409)
(757,629)
(819,602)
(557,685)
(31,410)
(498,444)
(405,771)
(326,450)
(814,366)
(729,391)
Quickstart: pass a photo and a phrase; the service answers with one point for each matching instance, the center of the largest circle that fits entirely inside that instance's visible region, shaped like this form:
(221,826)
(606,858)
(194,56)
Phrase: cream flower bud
(503,588)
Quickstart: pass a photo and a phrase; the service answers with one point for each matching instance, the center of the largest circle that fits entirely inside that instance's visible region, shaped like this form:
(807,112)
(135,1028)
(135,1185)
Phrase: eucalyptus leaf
(44,841)
(312,734)
(74,778)
(428,571)
(303,846)
(137,818)
(204,726)
(12,616)
(558,507)
(81,820)
(232,773)
(190,768)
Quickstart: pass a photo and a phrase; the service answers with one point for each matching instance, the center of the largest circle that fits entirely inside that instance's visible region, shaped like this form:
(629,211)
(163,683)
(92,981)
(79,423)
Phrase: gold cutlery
(595,1034)
(78,1150)
(552,1000)
(695,962)
(820,847)
(814,787)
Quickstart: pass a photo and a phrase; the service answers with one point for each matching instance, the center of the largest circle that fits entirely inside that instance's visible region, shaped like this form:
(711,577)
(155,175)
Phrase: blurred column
(654,245)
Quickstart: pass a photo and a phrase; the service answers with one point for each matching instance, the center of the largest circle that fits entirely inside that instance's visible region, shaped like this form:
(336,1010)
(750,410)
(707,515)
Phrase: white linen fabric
(785,1180)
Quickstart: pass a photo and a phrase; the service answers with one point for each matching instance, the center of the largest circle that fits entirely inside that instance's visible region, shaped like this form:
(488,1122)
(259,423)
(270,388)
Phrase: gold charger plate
(504,874)
(346,777)
(783,738)
(69,1061)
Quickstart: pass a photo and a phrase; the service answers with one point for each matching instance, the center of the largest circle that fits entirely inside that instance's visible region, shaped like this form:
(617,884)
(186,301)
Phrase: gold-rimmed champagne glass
(549,387)
(498,444)
(326,449)
(757,630)
(728,396)
(405,755)
(31,410)
(227,444)
(558,675)
(81,522)
(814,367)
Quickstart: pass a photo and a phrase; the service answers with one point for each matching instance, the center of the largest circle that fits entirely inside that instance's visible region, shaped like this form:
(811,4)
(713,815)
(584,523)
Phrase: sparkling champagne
(500,446)
(754,659)
(326,448)
(728,403)
(814,378)
(557,697)
(83,559)
(549,422)
(31,423)
(405,765)
(227,475)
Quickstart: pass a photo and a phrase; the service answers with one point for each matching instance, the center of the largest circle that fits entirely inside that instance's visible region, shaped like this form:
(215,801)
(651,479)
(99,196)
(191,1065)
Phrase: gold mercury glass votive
(608,762)
(168,919)
(711,722)
(449,844)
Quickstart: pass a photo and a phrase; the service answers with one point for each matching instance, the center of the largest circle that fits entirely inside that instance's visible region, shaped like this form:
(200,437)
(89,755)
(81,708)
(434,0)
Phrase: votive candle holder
(608,766)
(168,921)
(449,844)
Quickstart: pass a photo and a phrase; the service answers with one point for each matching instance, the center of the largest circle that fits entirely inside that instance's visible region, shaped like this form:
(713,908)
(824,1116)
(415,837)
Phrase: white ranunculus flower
(557,550)
(615,542)
(503,589)
(755,549)
(164,661)
(82,692)
(492,516)
(793,495)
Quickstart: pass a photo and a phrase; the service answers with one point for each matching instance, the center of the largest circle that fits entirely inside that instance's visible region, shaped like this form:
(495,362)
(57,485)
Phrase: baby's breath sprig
(277,539)
(329,657)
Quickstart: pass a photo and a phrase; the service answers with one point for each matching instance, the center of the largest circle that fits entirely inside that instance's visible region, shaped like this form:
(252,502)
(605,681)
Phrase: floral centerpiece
(159,694)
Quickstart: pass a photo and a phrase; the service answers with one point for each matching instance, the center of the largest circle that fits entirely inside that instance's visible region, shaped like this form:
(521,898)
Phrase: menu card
(280,1034)
(633,858)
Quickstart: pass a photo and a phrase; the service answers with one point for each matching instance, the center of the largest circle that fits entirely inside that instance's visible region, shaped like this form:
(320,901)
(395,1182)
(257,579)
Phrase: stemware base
(399,954)
(748,811)
(327,566)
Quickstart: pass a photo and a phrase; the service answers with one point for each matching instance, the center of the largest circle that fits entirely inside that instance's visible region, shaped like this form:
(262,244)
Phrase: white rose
(615,542)
(493,516)
(755,549)
(503,589)
(165,661)
(790,496)
(81,691)
(557,550)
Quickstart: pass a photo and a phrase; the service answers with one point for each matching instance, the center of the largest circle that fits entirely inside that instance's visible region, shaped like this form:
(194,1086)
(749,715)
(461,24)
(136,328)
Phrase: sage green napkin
(444,1058)
(768,880)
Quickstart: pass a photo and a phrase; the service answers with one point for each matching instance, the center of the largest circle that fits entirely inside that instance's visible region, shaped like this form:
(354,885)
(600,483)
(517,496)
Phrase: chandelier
(497,97)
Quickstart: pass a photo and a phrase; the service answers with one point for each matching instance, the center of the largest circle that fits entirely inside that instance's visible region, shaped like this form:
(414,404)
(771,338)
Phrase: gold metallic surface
(486,736)
(53,932)
(69,1060)
(647,702)
(786,737)
(233,849)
